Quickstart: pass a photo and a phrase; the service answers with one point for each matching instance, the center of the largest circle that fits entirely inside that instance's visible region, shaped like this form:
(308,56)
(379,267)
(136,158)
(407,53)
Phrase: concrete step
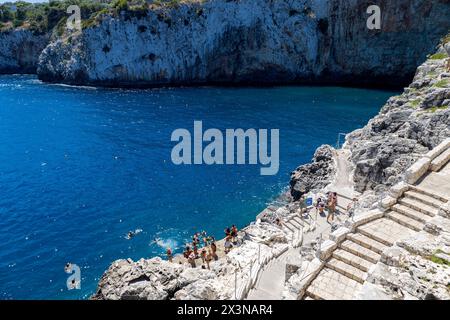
(360,251)
(288,226)
(287,229)
(410,212)
(385,230)
(299,220)
(431,201)
(292,226)
(428,193)
(347,270)
(367,242)
(296,224)
(331,285)
(352,259)
(419,206)
(440,160)
(405,220)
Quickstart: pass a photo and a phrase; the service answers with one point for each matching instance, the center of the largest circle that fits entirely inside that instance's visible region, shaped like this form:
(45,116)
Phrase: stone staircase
(295,224)
(270,284)
(347,268)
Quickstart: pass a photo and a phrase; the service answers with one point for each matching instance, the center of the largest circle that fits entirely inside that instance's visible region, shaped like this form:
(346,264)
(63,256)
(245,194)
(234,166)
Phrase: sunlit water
(80,167)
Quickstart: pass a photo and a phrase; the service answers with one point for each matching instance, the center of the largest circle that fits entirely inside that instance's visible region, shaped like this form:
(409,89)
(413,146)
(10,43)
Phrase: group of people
(202,246)
(329,203)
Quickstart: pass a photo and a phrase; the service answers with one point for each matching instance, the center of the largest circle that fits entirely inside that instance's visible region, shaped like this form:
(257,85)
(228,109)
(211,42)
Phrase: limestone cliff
(20,50)
(408,126)
(250,41)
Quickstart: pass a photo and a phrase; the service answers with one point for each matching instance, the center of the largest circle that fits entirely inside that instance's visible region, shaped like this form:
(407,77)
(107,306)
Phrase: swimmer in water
(155,241)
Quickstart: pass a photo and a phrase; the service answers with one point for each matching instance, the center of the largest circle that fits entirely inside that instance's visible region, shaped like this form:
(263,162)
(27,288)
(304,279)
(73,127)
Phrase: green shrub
(120,5)
(415,103)
(438,56)
(434,109)
(441,84)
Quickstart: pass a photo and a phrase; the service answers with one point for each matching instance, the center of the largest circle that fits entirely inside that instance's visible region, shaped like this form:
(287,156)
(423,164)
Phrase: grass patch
(415,103)
(441,83)
(438,260)
(438,56)
(434,109)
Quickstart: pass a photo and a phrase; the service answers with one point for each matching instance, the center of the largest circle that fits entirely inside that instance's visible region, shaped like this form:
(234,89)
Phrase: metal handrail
(339,139)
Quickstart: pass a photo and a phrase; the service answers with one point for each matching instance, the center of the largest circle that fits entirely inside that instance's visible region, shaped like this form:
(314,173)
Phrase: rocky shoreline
(407,127)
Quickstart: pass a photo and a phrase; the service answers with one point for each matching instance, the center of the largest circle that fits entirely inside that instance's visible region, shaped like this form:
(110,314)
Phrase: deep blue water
(79,167)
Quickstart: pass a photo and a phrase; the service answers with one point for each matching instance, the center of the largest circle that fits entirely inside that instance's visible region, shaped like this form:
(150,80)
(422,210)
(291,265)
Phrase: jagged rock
(406,128)
(191,275)
(145,279)
(201,290)
(436,98)
(315,175)
(265,233)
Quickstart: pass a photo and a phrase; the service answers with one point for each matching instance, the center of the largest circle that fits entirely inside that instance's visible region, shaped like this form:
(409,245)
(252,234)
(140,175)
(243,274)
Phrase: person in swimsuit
(191,260)
(234,232)
(203,255)
(208,258)
(169,254)
(228,245)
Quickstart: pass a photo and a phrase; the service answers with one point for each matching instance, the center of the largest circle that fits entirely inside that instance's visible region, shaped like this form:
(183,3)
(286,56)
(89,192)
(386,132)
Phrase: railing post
(339,139)
(235,285)
(259,253)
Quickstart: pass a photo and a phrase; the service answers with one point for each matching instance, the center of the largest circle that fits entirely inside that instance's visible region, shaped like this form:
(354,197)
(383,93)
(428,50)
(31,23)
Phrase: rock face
(408,126)
(315,175)
(157,279)
(20,50)
(250,41)
(152,279)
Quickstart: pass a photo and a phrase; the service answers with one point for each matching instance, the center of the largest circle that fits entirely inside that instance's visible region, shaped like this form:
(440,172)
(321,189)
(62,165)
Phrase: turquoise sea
(80,167)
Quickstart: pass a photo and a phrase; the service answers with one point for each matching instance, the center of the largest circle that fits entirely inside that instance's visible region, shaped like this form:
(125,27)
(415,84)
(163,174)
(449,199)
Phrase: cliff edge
(249,42)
